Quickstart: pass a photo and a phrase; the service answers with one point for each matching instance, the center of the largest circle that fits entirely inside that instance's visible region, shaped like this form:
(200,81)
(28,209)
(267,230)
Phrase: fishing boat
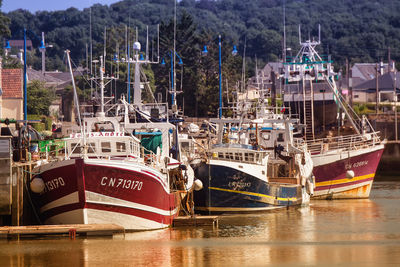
(344,163)
(114,170)
(244,174)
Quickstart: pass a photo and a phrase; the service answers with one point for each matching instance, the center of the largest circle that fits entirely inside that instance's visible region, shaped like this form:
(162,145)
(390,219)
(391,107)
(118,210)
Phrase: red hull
(330,173)
(111,192)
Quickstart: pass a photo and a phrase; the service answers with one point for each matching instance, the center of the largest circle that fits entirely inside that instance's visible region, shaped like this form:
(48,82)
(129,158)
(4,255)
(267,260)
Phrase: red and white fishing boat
(104,178)
(106,175)
(345,164)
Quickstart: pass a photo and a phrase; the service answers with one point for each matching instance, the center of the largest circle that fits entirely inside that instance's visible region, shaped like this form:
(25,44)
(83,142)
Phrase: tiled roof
(20,44)
(11,83)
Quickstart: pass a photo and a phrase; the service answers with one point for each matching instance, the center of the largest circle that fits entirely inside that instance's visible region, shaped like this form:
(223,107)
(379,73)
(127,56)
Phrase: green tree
(39,98)
(4,23)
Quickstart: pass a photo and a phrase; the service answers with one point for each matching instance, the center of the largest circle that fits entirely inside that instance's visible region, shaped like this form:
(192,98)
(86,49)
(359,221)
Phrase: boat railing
(149,156)
(52,149)
(250,157)
(344,143)
(299,143)
(102,147)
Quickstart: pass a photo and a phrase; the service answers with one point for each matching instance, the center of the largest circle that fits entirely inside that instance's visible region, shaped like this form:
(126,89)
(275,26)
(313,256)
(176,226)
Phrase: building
(62,105)
(261,84)
(362,72)
(11,96)
(386,88)
(19,44)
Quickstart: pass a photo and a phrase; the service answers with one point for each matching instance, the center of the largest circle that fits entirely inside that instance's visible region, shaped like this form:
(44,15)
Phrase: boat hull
(331,171)
(102,191)
(229,188)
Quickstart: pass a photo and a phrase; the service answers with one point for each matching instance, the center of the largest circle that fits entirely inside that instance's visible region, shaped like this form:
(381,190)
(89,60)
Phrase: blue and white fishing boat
(253,168)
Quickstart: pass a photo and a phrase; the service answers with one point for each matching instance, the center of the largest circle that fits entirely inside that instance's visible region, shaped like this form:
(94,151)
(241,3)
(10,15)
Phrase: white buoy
(349,174)
(198,185)
(310,187)
(37,185)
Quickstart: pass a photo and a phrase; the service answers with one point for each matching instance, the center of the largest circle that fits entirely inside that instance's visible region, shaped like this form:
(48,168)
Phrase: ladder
(308,109)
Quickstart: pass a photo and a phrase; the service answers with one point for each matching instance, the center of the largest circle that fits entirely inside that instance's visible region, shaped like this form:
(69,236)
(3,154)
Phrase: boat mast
(310,66)
(101,113)
(173,60)
(76,101)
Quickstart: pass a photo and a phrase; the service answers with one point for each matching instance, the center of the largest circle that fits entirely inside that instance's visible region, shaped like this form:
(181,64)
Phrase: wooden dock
(196,220)
(68,229)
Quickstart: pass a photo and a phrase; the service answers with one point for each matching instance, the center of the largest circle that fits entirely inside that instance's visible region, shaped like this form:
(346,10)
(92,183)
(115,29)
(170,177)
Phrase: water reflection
(350,232)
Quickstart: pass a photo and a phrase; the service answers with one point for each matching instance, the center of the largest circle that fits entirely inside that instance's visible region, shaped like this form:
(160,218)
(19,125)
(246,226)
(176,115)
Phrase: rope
(29,171)
(29,197)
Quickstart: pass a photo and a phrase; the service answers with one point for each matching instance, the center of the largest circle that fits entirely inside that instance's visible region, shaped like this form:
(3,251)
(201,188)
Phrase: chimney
(21,56)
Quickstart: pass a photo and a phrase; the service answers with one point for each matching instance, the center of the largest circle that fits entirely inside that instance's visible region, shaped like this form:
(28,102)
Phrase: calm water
(328,233)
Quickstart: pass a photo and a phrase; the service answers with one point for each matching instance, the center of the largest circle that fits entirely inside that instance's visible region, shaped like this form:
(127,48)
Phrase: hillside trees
(360,31)
(4,24)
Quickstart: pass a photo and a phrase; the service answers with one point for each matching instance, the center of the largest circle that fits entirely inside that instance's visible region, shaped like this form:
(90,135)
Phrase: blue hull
(229,190)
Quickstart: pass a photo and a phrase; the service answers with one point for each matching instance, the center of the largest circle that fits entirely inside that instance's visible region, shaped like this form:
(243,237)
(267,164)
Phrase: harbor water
(328,233)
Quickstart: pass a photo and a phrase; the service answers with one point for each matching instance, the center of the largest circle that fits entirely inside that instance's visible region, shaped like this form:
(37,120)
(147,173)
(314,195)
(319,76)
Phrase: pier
(196,220)
(72,230)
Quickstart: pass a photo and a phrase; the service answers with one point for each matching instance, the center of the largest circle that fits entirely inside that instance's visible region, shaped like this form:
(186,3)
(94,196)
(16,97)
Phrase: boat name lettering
(239,185)
(121,183)
(54,184)
(356,164)
(97,134)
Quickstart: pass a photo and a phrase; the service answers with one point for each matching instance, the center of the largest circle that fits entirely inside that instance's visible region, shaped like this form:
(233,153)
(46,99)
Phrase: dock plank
(61,229)
(196,221)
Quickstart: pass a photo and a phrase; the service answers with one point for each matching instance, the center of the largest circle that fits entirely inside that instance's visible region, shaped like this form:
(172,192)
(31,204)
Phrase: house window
(356,96)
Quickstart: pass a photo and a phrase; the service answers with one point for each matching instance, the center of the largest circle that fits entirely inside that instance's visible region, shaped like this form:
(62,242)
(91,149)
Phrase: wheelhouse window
(266,136)
(105,147)
(251,157)
(280,137)
(121,147)
(76,148)
(92,148)
(238,156)
(103,127)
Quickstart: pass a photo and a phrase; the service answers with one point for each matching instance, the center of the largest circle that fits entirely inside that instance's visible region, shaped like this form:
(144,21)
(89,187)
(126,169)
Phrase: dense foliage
(39,98)
(361,31)
(4,23)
